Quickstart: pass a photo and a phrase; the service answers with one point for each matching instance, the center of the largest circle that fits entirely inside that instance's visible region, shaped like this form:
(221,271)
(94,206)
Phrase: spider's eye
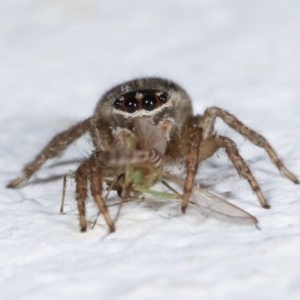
(163,98)
(149,103)
(131,105)
(117,104)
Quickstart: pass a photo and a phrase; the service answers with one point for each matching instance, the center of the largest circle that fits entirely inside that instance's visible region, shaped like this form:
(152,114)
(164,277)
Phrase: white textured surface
(58,57)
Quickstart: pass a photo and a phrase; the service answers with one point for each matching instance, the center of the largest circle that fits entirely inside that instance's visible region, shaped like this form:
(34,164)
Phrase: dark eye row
(148,102)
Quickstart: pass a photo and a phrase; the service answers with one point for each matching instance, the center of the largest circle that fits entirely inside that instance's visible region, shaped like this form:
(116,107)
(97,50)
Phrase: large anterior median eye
(131,105)
(149,102)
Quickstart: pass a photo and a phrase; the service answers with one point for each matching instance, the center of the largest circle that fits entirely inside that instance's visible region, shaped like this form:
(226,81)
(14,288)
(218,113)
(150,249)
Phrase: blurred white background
(58,57)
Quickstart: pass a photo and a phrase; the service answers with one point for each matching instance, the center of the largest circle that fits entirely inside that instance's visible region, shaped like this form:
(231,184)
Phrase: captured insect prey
(141,129)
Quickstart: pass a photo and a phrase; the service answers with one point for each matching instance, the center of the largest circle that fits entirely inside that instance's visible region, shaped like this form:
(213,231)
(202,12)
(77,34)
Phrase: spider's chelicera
(138,134)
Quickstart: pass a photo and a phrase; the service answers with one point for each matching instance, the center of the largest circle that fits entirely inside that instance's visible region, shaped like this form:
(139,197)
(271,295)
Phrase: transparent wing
(212,205)
(149,136)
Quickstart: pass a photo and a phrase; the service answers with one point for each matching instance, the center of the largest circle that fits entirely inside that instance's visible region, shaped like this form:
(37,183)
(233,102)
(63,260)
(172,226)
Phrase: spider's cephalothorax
(138,129)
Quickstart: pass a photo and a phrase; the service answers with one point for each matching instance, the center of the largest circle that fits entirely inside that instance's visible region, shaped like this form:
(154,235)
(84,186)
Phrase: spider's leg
(53,149)
(241,167)
(96,189)
(192,161)
(81,179)
(207,123)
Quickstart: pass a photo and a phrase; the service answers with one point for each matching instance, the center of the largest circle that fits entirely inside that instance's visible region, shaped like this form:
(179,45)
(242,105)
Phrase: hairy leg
(81,179)
(96,188)
(207,122)
(192,161)
(53,149)
(241,167)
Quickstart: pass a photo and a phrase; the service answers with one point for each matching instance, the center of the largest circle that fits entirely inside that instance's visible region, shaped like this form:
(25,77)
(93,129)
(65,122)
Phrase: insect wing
(214,206)
(149,136)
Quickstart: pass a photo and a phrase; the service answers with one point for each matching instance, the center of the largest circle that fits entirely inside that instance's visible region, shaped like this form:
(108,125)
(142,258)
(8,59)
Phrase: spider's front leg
(54,148)
(96,189)
(91,169)
(192,161)
(81,179)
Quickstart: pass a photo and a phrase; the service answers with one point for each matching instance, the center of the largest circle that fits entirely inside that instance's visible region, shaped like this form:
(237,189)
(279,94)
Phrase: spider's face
(146,103)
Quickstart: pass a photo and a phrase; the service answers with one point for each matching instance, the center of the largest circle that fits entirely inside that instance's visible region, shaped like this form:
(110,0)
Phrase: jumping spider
(142,127)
